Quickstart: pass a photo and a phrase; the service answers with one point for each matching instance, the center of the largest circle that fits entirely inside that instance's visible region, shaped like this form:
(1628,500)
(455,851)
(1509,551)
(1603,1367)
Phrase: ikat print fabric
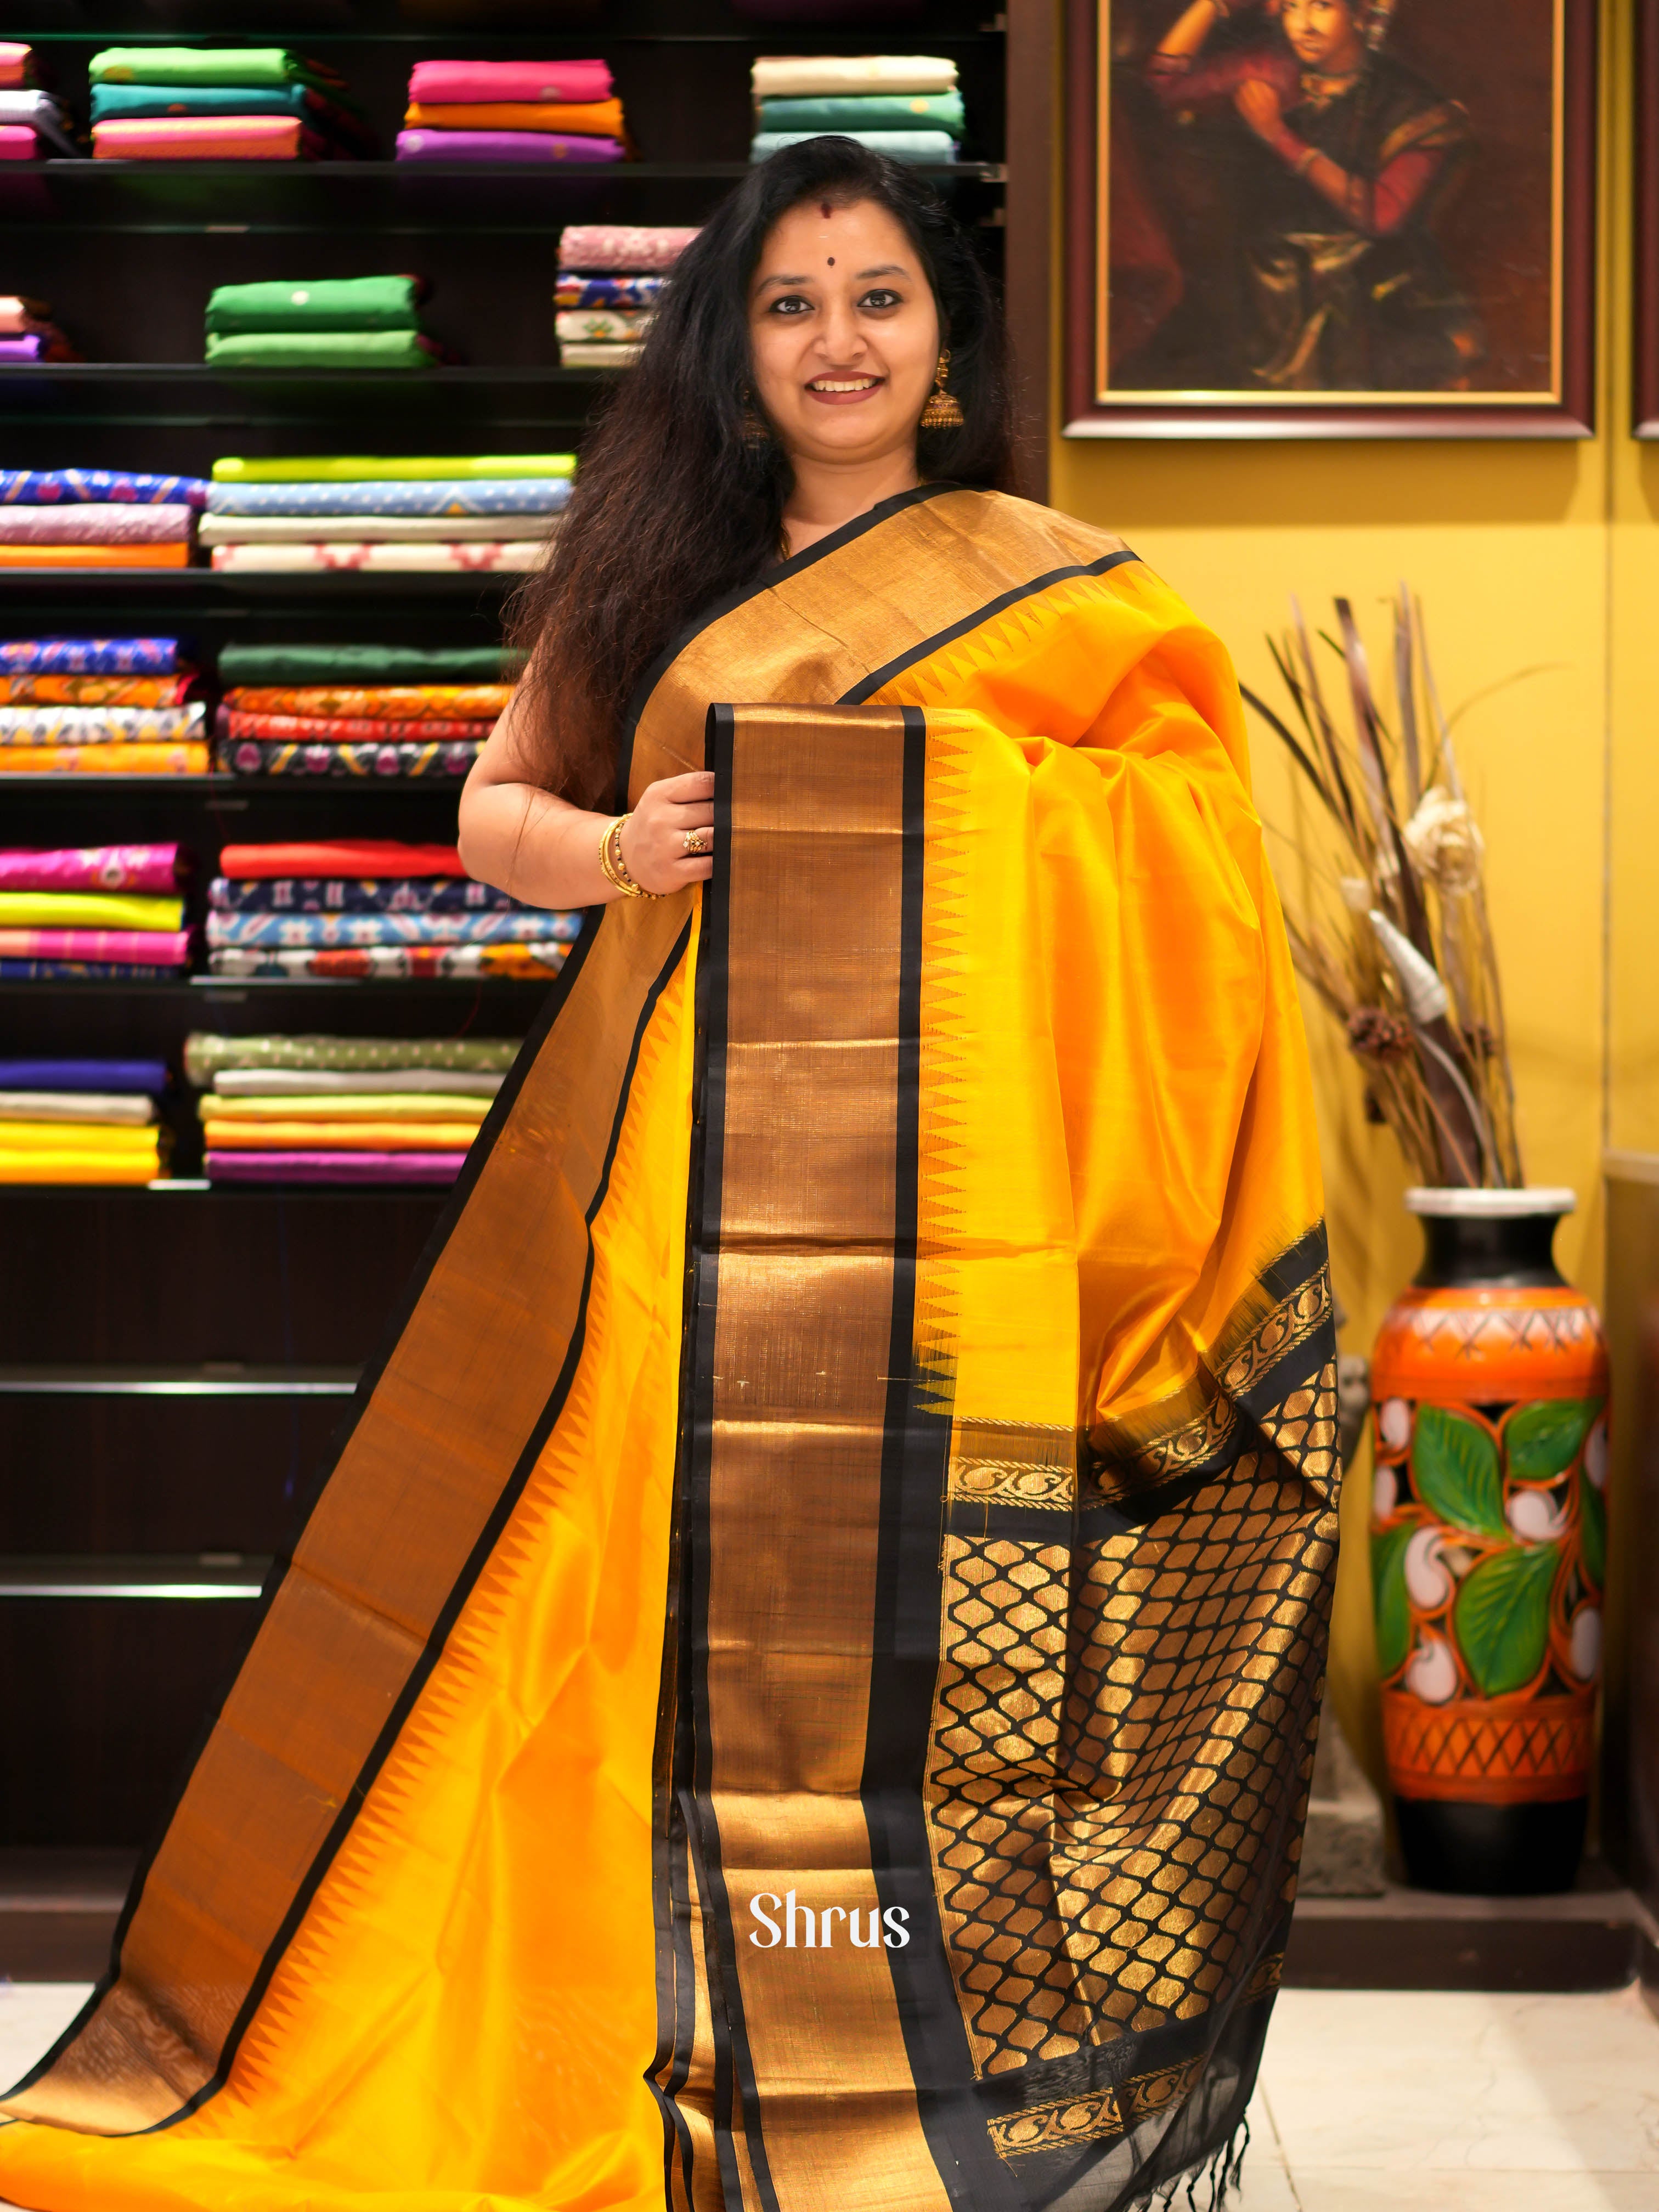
(445,497)
(94,725)
(50,487)
(273,757)
(362,895)
(69,704)
(518,926)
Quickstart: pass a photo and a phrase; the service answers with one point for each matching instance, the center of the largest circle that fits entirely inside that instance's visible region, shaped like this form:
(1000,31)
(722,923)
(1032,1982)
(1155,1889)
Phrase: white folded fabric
(400,529)
(313,1082)
(122,1107)
(598,353)
(349,554)
(42,114)
(804,76)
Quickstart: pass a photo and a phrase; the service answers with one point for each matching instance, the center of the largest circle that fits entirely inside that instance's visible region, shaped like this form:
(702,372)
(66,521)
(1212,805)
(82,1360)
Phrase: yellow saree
(901,1275)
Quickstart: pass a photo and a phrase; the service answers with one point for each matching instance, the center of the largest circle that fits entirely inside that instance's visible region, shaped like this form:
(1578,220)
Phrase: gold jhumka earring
(944,410)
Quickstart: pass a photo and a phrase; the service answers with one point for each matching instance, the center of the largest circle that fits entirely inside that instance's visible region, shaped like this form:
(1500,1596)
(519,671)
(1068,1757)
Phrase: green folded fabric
(236,65)
(871,111)
(326,303)
(362,468)
(206,1056)
(348,666)
(320,349)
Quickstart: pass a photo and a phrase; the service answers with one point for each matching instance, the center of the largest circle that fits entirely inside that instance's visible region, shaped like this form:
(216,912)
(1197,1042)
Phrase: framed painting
(1330,218)
(1644,391)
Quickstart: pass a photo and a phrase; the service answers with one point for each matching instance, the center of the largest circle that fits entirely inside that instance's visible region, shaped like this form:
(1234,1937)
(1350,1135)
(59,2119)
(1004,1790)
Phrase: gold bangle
(612,865)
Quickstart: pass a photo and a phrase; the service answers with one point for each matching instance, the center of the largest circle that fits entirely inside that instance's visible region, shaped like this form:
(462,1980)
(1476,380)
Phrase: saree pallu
(104,760)
(100,726)
(92,656)
(391,962)
(346,729)
(261,757)
(94,691)
(146,868)
(515,926)
(798,1695)
(340,856)
(273,895)
(96,522)
(207,1056)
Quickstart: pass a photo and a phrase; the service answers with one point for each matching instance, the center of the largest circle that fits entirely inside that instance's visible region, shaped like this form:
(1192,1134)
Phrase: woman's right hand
(653,836)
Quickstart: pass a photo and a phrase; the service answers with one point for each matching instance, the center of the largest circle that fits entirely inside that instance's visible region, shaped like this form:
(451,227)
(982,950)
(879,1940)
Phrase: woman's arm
(543,850)
(1375,206)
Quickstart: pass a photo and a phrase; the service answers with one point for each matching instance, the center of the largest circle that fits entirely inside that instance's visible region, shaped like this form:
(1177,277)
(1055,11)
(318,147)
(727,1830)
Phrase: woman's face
(844,332)
(1322,34)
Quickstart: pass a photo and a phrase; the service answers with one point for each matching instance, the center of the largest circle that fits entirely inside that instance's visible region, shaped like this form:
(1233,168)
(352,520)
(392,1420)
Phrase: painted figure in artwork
(1336,156)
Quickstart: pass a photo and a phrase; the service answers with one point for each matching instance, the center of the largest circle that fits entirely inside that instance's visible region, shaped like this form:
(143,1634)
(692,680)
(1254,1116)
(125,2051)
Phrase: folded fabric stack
(330,322)
(512,112)
(904,106)
(219,104)
(609,276)
(81,1120)
(472,512)
(29,333)
(343,1110)
(369,907)
(104,911)
(31,122)
(96,518)
(116,705)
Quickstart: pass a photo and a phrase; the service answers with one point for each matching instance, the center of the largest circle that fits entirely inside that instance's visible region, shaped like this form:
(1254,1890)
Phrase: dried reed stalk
(1399,947)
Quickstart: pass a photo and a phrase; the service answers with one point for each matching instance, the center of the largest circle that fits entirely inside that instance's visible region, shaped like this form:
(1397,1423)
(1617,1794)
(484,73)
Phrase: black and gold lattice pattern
(1123,1737)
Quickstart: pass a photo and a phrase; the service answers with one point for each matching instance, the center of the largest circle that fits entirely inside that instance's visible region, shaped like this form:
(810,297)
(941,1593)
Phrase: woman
(1349,154)
(896,1265)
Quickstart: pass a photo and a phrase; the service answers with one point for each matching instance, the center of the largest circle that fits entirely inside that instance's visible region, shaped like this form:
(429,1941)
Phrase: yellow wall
(1537,554)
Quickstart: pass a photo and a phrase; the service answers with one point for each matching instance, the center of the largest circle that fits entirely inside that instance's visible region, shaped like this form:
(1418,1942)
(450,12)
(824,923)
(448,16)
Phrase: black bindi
(832,260)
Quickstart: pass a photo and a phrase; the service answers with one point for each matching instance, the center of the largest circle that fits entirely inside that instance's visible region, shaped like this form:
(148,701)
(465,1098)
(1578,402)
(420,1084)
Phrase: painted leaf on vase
(1502,1617)
(1394,1619)
(1593,1531)
(1456,1472)
(1542,1439)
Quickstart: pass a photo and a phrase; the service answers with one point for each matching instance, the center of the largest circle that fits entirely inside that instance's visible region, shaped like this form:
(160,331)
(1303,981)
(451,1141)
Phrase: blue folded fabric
(84,972)
(520,925)
(356,895)
(576,290)
(927,149)
(58,487)
(412,496)
(91,656)
(145,1076)
(111,102)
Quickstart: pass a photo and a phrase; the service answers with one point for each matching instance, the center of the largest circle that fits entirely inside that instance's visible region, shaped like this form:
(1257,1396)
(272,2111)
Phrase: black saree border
(448,1614)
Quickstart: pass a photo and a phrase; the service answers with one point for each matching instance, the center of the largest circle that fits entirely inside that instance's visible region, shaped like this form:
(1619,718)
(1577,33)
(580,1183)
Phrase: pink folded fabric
(601,247)
(91,868)
(334,1167)
(18,315)
(203,138)
(462,81)
(101,522)
(161,948)
(17,143)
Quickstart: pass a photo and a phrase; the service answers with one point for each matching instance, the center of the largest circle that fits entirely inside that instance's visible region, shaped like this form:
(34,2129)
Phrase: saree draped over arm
(901,1274)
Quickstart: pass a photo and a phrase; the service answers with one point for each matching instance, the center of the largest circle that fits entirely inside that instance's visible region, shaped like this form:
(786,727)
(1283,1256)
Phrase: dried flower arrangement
(1401,951)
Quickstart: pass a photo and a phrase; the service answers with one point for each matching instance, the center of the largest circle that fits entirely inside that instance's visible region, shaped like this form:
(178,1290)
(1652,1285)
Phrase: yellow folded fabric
(76,1164)
(108,1143)
(88,910)
(104,760)
(360,1106)
(176,555)
(223,1135)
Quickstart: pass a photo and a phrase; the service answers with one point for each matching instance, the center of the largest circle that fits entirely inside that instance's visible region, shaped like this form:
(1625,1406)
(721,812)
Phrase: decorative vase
(1489,1387)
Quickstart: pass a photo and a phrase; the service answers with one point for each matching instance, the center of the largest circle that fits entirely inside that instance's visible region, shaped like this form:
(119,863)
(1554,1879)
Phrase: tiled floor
(1373,2101)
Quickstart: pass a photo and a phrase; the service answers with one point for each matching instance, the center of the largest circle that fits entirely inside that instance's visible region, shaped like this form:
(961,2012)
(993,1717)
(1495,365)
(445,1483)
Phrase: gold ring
(697,840)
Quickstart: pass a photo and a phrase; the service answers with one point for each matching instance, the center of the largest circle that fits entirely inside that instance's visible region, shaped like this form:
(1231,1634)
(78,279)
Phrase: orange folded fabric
(175,555)
(259,1136)
(202,138)
(591,119)
(104,760)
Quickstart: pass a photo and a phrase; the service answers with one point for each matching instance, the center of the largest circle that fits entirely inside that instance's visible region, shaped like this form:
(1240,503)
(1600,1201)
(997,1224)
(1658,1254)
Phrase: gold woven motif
(1120,1739)
(1007,1463)
(1089,2118)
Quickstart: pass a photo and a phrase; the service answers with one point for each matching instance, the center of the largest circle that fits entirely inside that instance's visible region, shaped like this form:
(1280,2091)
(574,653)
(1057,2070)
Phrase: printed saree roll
(280,1084)
(173,555)
(100,726)
(352,468)
(137,1075)
(204,138)
(598,119)
(345,554)
(92,868)
(398,702)
(45,486)
(85,909)
(583,80)
(414,1168)
(343,729)
(94,691)
(814,76)
(444,529)
(104,760)
(628,248)
(340,856)
(899,1271)
(207,1056)
(518,926)
(276,1136)
(452,496)
(277,756)
(870,111)
(323,303)
(356,895)
(340,1107)
(156,948)
(322,350)
(244,665)
(391,963)
(527,146)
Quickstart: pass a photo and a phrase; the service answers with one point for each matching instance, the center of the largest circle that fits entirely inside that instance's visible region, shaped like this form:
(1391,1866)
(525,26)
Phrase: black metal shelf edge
(220,786)
(518,173)
(325,584)
(827,38)
(219,1379)
(176,1193)
(73,372)
(225,1577)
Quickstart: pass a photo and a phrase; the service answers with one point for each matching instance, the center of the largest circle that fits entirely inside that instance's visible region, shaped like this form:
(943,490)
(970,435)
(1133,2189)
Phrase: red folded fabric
(373,858)
(343,729)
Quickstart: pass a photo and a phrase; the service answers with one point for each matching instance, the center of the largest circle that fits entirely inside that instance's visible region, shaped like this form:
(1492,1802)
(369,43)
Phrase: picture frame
(1644,382)
(1226,278)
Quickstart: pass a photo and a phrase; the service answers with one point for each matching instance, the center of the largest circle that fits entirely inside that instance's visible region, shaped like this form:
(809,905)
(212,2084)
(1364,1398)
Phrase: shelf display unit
(179,1356)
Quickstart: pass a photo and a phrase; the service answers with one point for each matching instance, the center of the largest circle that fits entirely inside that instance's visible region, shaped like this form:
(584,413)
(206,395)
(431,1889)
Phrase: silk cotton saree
(797,1693)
